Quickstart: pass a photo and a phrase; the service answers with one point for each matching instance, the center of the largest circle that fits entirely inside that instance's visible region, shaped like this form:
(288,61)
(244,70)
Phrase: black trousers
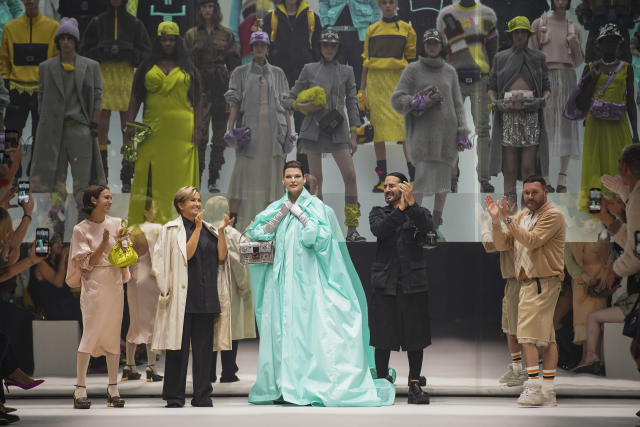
(228,359)
(8,362)
(197,331)
(21,104)
(351,53)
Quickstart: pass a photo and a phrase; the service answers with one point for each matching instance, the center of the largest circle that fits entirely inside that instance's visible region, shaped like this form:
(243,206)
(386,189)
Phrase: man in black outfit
(399,301)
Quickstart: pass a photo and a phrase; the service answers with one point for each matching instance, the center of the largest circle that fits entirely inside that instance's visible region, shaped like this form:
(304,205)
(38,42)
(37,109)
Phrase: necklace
(609,63)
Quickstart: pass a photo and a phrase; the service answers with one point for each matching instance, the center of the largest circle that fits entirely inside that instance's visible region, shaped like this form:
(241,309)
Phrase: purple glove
(230,139)
(243,136)
(419,102)
(464,143)
(290,142)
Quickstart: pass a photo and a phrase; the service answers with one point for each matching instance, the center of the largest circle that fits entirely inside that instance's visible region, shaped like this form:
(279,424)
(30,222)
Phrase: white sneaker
(549,397)
(512,379)
(531,394)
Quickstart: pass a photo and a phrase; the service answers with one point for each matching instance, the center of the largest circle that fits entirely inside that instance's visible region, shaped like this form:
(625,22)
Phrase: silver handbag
(256,252)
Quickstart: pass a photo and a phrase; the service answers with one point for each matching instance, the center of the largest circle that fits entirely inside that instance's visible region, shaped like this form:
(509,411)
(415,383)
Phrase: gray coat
(339,85)
(244,94)
(432,135)
(51,103)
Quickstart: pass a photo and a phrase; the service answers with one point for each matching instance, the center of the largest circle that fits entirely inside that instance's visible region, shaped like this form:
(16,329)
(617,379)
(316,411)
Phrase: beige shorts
(535,311)
(510,306)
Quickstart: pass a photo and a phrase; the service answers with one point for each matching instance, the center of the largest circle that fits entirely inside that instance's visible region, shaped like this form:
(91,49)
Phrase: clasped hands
(406,198)
(286,207)
(426,99)
(497,210)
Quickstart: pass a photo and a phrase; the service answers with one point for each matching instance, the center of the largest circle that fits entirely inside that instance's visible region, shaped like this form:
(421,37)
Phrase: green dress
(312,315)
(604,140)
(168,157)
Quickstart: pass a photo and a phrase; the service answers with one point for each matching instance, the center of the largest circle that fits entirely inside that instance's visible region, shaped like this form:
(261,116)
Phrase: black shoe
(354,236)
(595,368)
(416,396)
(486,187)
(550,188)
(213,378)
(9,418)
(126,187)
(128,374)
(173,405)
(152,374)
(423,381)
(212,188)
(204,404)
(3,422)
(232,379)
(454,186)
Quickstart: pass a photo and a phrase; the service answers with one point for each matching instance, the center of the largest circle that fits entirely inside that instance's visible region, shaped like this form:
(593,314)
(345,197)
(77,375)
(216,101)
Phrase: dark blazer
(399,256)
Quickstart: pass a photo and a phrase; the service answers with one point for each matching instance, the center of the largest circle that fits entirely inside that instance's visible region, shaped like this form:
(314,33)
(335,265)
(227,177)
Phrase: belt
(343,28)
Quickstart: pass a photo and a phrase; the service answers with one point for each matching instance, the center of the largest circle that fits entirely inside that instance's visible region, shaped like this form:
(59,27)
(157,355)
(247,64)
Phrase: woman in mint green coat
(310,308)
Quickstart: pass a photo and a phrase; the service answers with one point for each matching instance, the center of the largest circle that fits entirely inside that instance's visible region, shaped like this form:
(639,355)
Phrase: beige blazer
(169,265)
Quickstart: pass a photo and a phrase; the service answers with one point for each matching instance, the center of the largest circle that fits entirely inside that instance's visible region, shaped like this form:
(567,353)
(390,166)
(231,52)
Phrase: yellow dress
(388,48)
(168,158)
(117,78)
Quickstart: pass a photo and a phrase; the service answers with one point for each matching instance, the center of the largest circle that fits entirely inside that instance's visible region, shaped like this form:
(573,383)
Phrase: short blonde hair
(182,195)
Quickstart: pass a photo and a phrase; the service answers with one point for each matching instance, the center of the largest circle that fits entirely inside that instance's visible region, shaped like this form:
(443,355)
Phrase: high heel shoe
(9,382)
(114,401)
(129,374)
(80,402)
(152,374)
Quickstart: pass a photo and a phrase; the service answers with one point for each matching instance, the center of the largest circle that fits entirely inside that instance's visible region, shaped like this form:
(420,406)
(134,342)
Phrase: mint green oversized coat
(312,315)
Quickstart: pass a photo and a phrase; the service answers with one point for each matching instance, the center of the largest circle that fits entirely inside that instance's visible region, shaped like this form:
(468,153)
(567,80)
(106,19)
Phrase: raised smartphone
(42,242)
(23,191)
(595,200)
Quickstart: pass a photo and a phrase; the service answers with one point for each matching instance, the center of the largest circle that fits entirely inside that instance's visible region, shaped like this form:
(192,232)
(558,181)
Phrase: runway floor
(227,411)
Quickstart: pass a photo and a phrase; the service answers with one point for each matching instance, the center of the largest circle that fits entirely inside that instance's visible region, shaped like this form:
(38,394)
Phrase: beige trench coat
(170,268)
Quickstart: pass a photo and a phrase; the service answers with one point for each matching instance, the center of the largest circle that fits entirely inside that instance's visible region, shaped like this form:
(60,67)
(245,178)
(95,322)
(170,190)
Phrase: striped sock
(516,361)
(534,372)
(548,375)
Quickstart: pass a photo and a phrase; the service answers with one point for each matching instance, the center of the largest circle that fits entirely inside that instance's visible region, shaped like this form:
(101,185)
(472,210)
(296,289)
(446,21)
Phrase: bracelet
(28,216)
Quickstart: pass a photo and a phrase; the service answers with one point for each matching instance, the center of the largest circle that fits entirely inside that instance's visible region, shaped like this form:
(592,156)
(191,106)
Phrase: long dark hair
(217,15)
(181,58)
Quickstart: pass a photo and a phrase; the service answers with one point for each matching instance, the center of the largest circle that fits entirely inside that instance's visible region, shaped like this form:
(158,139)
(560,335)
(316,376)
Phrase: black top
(202,290)
(400,259)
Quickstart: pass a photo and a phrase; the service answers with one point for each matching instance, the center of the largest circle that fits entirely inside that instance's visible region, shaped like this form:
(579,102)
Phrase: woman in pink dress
(102,297)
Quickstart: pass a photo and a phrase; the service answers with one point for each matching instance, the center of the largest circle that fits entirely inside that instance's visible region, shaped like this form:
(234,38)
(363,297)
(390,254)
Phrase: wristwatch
(507,220)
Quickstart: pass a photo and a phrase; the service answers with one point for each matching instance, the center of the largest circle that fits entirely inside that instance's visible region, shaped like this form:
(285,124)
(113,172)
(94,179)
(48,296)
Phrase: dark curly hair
(92,191)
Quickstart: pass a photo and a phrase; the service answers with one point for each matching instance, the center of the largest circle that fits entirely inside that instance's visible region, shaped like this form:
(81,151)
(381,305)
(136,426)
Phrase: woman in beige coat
(242,316)
(194,306)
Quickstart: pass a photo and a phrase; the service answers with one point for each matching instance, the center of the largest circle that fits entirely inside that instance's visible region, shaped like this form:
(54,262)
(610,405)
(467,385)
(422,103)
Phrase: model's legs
(415,364)
(438,208)
(562,175)
(103,138)
(175,368)
(216,158)
(528,161)
(203,140)
(127,167)
(113,360)
(229,366)
(594,331)
(480,114)
(82,364)
(315,168)
(201,345)
(410,167)
(510,158)
(382,362)
(344,160)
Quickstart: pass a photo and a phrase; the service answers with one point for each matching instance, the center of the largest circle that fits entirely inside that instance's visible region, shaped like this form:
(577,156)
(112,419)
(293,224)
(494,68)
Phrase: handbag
(29,54)
(332,119)
(630,327)
(120,256)
(142,132)
(256,252)
(607,110)
(579,101)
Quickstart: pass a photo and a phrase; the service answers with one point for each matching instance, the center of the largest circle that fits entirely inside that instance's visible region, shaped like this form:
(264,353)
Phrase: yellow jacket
(38,30)
(389,45)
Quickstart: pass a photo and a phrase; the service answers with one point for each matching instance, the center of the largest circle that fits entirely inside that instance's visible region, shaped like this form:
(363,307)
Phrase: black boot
(416,395)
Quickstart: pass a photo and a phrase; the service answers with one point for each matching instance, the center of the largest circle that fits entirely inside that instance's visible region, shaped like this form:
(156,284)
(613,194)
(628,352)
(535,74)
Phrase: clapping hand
(199,219)
(226,221)
(497,210)
(407,198)
(615,184)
